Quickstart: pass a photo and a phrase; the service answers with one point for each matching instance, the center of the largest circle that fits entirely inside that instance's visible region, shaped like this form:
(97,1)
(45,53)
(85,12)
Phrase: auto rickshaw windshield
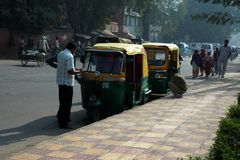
(103,62)
(156,57)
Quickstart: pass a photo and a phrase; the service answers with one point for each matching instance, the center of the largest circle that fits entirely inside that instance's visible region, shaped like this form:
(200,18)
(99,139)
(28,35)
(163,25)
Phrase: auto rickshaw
(112,39)
(163,62)
(114,77)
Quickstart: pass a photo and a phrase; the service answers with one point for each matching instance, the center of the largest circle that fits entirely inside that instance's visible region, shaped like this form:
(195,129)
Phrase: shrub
(238,98)
(234,112)
(227,142)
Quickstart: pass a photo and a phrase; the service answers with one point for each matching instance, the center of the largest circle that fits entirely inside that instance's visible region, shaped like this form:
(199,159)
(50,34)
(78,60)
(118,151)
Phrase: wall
(9,40)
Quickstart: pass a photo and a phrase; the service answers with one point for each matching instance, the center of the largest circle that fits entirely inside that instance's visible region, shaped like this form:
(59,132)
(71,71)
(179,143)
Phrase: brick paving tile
(164,129)
(60,154)
(26,156)
(128,150)
(162,147)
(39,151)
(185,150)
(175,155)
(117,156)
(156,152)
(147,157)
(84,157)
(51,158)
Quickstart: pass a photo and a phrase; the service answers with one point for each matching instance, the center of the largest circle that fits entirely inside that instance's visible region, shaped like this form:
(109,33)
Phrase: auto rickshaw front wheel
(145,99)
(94,114)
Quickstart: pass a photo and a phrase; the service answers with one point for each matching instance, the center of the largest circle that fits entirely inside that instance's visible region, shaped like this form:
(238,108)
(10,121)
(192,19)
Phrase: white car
(216,45)
(184,49)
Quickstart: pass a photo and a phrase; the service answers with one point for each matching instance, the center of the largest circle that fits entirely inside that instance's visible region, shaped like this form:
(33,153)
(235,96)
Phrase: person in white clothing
(65,81)
(43,45)
(57,45)
(224,55)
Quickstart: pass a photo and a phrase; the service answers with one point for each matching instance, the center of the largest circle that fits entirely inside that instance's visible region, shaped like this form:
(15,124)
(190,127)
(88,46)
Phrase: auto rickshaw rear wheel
(94,114)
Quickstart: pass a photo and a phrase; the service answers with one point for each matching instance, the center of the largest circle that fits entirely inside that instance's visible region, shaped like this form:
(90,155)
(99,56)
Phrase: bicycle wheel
(24,60)
(40,60)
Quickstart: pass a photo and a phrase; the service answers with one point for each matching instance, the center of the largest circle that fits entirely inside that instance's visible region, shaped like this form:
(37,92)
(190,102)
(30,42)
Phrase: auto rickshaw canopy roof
(171,46)
(129,49)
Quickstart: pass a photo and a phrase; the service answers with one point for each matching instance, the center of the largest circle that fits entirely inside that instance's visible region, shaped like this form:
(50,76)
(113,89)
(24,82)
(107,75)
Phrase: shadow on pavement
(229,84)
(45,126)
(27,66)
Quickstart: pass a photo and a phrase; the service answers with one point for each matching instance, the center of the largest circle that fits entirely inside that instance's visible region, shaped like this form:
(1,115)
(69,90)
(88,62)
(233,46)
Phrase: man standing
(215,57)
(65,81)
(43,45)
(21,45)
(57,45)
(224,55)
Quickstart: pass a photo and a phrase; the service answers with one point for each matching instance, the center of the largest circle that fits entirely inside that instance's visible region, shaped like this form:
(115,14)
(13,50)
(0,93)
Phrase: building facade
(126,24)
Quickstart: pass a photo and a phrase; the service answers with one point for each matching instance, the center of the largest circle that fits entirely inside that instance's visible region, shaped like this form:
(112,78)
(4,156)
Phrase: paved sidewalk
(164,129)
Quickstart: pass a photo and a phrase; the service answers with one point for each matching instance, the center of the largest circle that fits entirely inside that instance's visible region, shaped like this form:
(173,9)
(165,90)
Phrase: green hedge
(226,145)
(227,142)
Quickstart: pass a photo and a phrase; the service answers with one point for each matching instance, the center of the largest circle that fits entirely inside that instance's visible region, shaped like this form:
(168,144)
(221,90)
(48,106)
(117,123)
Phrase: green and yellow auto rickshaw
(163,62)
(114,77)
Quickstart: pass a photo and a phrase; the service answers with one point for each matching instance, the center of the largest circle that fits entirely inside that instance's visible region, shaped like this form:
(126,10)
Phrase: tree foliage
(191,30)
(88,15)
(28,16)
(233,3)
(221,17)
(162,13)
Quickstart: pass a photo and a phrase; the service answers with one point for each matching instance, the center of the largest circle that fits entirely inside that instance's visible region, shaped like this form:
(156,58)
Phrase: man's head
(196,51)
(71,47)
(226,42)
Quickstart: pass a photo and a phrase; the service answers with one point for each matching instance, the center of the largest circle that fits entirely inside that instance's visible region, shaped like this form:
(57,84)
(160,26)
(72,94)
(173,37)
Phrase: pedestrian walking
(208,65)
(196,62)
(203,57)
(21,45)
(215,58)
(43,45)
(224,55)
(57,45)
(65,81)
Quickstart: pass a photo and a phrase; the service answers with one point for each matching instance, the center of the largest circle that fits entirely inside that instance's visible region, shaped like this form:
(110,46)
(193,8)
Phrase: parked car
(184,49)
(208,47)
(216,45)
(195,46)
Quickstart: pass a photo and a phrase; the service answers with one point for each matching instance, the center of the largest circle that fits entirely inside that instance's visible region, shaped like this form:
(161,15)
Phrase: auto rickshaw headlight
(157,75)
(160,75)
(93,98)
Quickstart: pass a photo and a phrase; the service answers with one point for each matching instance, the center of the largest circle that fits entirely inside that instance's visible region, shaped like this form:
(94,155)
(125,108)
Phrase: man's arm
(46,44)
(73,71)
(52,61)
(71,67)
